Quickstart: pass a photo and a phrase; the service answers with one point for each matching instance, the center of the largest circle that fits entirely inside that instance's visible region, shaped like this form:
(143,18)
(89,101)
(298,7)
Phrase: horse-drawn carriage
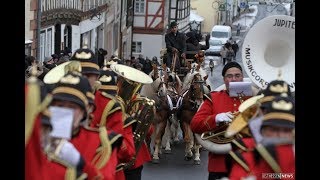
(177,93)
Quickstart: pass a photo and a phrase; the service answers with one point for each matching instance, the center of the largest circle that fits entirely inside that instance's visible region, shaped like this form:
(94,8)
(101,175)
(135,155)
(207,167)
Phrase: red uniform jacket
(204,120)
(87,142)
(34,159)
(285,159)
(115,122)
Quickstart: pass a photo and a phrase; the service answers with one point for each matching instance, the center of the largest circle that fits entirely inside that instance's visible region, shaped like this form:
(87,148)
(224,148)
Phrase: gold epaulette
(237,156)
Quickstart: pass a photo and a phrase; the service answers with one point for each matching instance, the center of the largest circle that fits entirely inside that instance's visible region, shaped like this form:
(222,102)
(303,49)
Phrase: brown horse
(193,90)
(165,91)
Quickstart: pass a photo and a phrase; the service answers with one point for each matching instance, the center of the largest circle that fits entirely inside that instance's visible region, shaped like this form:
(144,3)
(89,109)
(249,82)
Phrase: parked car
(214,48)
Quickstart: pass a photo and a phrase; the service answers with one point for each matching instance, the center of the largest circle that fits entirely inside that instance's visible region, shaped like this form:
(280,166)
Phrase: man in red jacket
(218,107)
(109,114)
(275,88)
(67,158)
(273,155)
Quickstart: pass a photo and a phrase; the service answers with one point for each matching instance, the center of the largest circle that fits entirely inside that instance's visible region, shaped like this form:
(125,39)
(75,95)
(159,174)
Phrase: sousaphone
(269,47)
(139,108)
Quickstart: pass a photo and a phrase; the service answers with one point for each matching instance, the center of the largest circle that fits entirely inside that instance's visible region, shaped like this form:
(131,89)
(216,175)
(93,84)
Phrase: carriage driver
(175,43)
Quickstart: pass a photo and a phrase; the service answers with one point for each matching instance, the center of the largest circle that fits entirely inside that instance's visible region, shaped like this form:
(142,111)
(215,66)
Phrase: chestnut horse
(165,91)
(193,90)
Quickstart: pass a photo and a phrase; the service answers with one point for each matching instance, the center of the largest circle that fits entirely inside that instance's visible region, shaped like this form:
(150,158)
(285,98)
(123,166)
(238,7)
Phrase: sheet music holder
(242,89)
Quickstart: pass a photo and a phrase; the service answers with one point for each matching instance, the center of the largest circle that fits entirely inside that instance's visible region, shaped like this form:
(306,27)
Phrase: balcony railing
(70,11)
(81,5)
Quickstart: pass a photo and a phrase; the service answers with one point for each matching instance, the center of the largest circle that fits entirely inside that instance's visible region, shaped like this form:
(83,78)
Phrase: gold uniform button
(235,105)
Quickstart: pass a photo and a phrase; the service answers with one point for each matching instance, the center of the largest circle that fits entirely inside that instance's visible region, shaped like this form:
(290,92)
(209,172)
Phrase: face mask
(61,120)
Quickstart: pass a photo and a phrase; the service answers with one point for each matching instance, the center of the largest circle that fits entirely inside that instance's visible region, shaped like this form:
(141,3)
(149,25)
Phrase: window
(42,44)
(139,6)
(86,39)
(45,43)
(115,36)
(27,49)
(215,43)
(49,43)
(219,34)
(136,47)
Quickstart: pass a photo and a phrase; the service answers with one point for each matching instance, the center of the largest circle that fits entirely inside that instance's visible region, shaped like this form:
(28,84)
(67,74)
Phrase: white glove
(224,117)
(69,153)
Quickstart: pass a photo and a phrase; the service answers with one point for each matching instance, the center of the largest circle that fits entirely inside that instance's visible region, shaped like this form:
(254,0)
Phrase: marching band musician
(127,93)
(109,113)
(106,113)
(274,153)
(70,95)
(218,107)
(35,159)
(89,64)
(38,165)
(275,88)
(143,156)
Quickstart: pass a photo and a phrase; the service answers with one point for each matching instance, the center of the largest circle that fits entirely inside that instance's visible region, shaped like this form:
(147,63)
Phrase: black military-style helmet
(88,60)
(280,112)
(274,88)
(74,88)
(108,80)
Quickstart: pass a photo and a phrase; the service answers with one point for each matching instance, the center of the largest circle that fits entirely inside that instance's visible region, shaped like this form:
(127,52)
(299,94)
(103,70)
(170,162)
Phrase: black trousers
(133,174)
(224,60)
(217,175)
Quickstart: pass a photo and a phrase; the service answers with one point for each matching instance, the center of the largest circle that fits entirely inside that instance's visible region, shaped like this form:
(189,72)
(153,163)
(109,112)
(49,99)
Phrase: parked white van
(222,33)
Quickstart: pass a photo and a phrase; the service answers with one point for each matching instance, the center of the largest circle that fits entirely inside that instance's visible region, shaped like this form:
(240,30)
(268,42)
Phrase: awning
(195,17)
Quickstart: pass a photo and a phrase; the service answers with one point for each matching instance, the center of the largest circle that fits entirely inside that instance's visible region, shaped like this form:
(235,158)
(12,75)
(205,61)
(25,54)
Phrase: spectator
(49,63)
(235,48)
(147,67)
(55,58)
(238,29)
(101,53)
(141,59)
